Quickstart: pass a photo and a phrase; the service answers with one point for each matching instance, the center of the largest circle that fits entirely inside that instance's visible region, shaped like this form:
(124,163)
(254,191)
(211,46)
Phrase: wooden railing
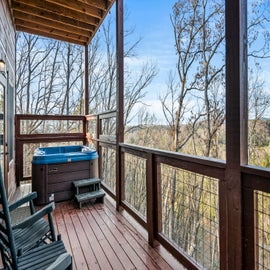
(151,213)
(256,253)
(24,136)
(256,220)
(154,159)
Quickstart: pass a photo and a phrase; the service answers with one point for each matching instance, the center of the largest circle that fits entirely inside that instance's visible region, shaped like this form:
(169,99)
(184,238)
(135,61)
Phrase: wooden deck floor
(99,237)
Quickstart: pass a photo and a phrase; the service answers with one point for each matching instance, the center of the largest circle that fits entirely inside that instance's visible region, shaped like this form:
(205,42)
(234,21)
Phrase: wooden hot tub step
(91,190)
(92,183)
(85,197)
(86,182)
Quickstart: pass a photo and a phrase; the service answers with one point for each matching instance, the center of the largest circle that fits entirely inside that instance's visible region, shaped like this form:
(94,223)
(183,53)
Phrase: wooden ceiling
(74,21)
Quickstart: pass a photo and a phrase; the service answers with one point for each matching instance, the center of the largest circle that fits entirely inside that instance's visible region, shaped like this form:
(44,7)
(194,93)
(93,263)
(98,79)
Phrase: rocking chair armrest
(62,262)
(29,197)
(46,210)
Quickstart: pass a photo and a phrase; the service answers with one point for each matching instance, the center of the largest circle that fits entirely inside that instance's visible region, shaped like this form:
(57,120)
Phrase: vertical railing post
(223,226)
(85,128)
(152,203)
(18,150)
(98,131)
(158,197)
(150,198)
(251,252)
(120,98)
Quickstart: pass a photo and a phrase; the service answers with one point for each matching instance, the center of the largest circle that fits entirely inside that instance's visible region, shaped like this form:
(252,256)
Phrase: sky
(151,20)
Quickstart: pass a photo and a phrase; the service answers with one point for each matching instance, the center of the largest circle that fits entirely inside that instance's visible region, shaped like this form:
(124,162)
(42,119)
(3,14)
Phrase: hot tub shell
(55,168)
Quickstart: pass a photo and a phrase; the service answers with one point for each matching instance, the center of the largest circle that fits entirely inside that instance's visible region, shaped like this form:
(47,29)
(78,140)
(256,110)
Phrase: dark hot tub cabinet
(55,168)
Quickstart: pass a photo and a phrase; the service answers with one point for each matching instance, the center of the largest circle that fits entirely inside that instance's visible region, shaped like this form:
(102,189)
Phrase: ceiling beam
(48,35)
(16,6)
(50,23)
(101,4)
(74,21)
(57,10)
(79,7)
(51,30)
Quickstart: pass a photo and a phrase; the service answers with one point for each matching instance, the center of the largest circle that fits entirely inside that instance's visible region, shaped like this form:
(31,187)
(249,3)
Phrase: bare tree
(259,101)
(193,107)
(199,37)
(32,52)
(102,70)
(187,26)
(211,72)
(259,97)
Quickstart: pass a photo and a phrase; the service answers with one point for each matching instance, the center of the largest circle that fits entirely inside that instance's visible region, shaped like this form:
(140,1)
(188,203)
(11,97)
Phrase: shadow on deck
(99,237)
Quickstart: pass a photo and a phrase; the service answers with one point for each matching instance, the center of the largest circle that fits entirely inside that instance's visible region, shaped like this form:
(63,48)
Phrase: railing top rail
(42,136)
(255,170)
(207,166)
(256,178)
(185,157)
(102,115)
(48,117)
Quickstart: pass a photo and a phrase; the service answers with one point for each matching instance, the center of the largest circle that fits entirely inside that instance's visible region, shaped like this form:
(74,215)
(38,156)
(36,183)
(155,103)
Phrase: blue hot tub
(55,168)
(63,154)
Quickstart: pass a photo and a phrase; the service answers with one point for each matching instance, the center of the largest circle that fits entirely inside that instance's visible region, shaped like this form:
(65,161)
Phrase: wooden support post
(86,81)
(86,92)
(236,128)
(120,98)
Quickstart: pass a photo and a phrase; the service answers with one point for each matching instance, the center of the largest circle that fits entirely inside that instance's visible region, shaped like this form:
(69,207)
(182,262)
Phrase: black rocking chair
(17,256)
(27,236)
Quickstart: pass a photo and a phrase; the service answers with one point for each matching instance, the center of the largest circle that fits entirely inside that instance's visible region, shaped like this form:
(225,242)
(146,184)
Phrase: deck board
(149,255)
(99,237)
(112,240)
(118,231)
(107,249)
(134,242)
